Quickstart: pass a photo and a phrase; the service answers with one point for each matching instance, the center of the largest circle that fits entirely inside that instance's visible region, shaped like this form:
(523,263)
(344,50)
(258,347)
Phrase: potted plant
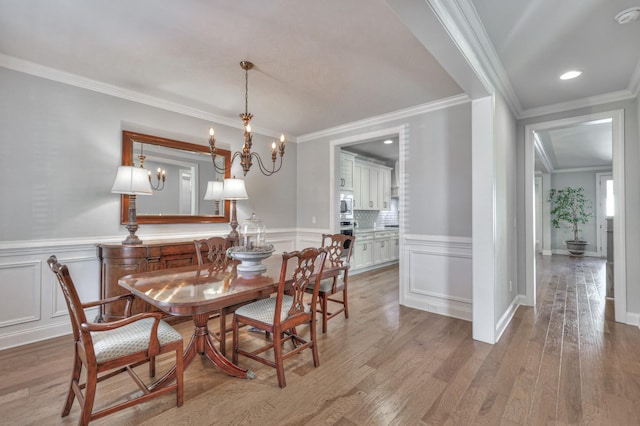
(570,206)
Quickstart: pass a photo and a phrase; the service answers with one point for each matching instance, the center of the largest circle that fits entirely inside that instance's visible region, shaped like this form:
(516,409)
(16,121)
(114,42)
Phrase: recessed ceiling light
(388,142)
(570,74)
(628,15)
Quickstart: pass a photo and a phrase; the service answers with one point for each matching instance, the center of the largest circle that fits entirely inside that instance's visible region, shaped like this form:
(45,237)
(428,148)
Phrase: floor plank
(562,362)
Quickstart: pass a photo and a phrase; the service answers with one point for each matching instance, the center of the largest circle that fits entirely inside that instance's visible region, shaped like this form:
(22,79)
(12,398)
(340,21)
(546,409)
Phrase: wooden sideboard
(117,260)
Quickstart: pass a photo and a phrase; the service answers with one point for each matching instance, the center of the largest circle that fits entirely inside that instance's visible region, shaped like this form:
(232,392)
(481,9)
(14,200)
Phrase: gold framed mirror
(188,169)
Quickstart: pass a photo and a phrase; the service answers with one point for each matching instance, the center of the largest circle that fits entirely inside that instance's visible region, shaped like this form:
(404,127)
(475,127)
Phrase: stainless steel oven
(347,228)
(346,206)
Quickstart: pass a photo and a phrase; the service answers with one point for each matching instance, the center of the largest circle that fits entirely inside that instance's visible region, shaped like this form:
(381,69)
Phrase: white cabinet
(375,248)
(347,163)
(362,255)
(395,247)
(384,189)
(371,186)
(381,250)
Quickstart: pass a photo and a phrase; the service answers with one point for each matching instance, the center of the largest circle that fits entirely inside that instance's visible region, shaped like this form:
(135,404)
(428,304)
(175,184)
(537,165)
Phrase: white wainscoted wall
(32,307)
(438,275)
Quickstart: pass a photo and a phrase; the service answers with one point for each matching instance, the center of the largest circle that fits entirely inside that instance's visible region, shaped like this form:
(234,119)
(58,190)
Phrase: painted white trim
(76,80)
(438,239)
(634,81)
(36,334)
(619,250)
(542,154)
(506,318)
(600,213)
(440,250)
(403,141)
(454,21)
(584,169)
(484,219)
(385,118)
(590,101)
(485,52)
(633,319)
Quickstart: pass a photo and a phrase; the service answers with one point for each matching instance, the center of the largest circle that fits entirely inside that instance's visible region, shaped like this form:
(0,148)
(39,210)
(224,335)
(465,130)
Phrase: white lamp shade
(131,181)
(234,189)
(214,190)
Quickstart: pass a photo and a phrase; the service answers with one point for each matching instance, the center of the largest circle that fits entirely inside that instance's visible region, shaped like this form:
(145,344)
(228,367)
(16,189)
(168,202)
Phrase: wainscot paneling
(438,275)
(32,307)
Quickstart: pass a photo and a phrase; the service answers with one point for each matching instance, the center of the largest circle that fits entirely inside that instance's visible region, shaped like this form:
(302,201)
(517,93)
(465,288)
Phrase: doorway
(397,133)
(618,185)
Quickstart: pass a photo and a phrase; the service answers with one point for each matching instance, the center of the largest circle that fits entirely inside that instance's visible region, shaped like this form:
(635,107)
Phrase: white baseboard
(504,322)
(32,335)
(633,319)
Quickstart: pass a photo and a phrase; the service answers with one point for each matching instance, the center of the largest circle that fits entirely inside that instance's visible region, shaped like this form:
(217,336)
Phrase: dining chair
(216,256)
(280,315)
(108,349)
(339,249)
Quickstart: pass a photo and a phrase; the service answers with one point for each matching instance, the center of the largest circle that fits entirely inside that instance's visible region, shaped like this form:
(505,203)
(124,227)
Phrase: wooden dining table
(198,292)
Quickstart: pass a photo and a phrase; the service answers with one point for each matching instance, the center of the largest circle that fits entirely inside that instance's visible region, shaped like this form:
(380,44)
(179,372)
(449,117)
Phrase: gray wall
(588,232)
(60,146)
(632,195)
(438,173)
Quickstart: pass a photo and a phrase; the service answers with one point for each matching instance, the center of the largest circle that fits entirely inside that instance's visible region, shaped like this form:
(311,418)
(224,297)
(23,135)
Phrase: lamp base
(132,239)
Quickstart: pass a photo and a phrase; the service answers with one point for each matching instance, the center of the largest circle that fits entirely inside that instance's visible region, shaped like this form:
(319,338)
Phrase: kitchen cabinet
(375,248)
(347,164)
(372,186)
(362,251)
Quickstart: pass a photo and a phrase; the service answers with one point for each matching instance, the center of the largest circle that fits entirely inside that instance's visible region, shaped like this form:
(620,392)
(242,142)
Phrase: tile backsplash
(373,218)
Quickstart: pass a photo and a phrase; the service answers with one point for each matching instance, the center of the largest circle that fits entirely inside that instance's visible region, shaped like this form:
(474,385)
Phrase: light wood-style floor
(564,362)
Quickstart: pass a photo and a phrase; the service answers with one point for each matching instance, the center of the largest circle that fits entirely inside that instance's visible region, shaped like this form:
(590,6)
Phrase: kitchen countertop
(377,229)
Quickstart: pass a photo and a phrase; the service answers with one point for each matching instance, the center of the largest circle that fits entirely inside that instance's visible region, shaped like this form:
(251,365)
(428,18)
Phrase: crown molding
(486,53)
(634,81)
(621,95)
(542,153)
(584,169)
(75,80)
(384,118)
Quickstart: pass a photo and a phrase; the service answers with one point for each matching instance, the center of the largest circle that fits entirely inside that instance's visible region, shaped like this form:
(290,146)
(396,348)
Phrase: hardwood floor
(563,362)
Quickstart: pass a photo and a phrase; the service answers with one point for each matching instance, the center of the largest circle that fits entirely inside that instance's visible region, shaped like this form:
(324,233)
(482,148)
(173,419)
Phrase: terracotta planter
(576,248)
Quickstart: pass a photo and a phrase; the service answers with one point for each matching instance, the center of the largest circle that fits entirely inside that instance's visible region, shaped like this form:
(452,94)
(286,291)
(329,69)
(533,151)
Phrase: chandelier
(246,155)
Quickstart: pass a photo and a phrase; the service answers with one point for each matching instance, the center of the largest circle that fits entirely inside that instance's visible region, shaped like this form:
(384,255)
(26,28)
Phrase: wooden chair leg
(152,366)
(278,358)
(314,345)
(75,377)
(325,313)
(234,355)
(89,395)
(223,332)
(346,303)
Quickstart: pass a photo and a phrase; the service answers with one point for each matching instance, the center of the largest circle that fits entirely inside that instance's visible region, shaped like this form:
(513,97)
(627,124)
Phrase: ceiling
(377,149)
(586,145)
(319,64)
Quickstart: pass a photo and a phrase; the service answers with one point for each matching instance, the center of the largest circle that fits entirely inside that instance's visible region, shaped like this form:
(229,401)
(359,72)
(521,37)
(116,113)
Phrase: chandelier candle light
(246,155)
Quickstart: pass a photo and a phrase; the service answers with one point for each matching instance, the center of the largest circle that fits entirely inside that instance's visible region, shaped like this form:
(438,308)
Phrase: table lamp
(132,181)
(215,192)
(234,190)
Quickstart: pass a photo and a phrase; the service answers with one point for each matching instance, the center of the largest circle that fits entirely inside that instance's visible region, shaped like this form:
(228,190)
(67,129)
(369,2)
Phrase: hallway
(582,367)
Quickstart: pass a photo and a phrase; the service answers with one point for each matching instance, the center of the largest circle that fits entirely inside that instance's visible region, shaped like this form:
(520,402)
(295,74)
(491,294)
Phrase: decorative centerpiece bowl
(251,257)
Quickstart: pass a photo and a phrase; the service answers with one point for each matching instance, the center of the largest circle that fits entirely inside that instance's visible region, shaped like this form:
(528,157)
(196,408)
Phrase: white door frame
(601,213)
(403,133)
(619,266)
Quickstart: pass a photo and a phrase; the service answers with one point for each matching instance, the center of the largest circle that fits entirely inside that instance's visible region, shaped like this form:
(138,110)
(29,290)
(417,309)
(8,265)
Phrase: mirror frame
(127,160)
